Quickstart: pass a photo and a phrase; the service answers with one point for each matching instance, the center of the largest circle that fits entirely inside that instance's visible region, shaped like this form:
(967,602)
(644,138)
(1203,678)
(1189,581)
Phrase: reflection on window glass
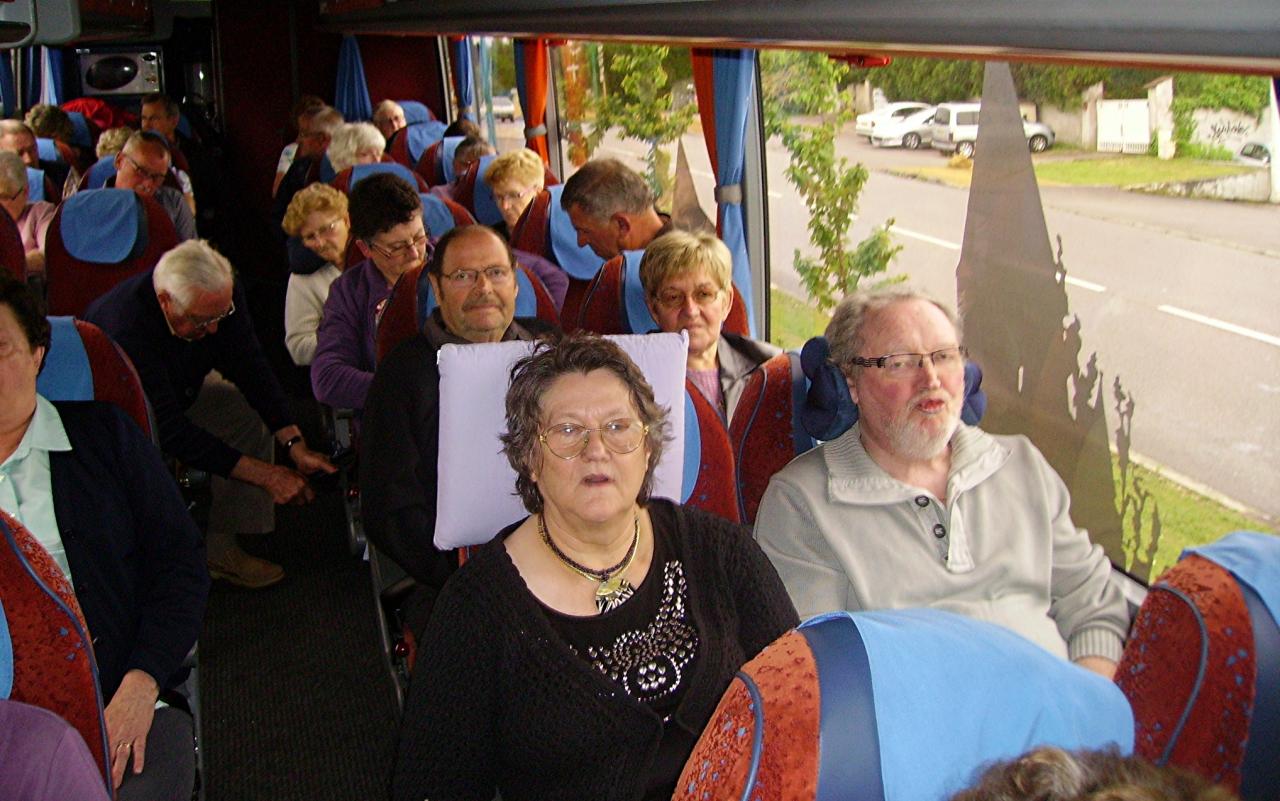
(1130,330)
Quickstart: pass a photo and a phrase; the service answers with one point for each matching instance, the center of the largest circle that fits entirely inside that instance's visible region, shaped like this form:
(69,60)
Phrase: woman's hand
(128,718)
(1102,666)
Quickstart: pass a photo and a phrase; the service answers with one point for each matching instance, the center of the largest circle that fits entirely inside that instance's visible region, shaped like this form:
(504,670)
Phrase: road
(1177,297)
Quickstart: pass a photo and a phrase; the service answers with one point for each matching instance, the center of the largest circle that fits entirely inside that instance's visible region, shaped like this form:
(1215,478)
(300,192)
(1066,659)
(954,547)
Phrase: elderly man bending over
(912,508)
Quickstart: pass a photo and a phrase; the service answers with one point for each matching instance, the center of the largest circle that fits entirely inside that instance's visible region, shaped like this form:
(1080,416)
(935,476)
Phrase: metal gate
(1124,126)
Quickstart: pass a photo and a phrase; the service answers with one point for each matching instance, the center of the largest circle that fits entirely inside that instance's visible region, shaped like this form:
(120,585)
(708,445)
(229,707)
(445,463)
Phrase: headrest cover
(579,262)
(415,112)
(327,172)
(447,152)
(999,696)
(48,149)
(6,655)
(1253,558)
(436,216)
(692,448)
(35,185)
(101,172)
(80,134)
(67,374)
(422,135)
(828,410)
(361,171)
(475,493)
(639,318)
(485,207)
(101,226)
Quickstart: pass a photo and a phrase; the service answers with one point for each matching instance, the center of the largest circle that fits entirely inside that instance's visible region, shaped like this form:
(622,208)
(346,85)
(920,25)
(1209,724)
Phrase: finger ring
(125,744)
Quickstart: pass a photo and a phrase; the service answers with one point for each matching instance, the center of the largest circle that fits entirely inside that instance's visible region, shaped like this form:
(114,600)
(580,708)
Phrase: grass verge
(793,321)
(1120,171)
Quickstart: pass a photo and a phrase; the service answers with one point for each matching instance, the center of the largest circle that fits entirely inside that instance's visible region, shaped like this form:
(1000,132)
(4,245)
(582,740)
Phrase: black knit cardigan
(499,701)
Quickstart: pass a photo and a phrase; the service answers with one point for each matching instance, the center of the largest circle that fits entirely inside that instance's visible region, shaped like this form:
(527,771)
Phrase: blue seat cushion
(67,374)
(422,135)
(526,299)
(415,112)
(48,149)
(580,262)
(447,151)
(485,207)
(639,320)
(362,171)
(103,226)
(35,185)
(692,448)
(6,656)
(436,216)
(80,134)
(101,172)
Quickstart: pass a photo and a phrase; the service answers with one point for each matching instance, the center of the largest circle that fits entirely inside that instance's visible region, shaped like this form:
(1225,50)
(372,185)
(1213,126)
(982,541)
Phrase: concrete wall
(1068,125)
(1254,185)
(1229,129)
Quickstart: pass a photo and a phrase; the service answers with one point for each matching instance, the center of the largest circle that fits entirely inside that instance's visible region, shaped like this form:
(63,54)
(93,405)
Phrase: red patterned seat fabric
(787,678)
(114,378)
(763,430)
(715,489)
(53,665)
(1189,672)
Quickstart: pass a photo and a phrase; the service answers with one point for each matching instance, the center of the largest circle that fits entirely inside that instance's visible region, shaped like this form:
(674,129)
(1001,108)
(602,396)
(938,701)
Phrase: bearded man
(912,508)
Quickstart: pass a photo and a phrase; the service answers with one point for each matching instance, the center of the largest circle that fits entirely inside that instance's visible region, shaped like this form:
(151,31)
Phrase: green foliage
(640,105)
(807,84)
(504,66)
(1247,94)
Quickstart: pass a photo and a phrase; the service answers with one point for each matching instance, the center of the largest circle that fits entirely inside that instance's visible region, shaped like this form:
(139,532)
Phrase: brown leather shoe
(246,571)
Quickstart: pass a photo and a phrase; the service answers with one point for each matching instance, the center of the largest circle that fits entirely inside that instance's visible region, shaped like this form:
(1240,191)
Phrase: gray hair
(112,141)
(194,266)
(605,187)
(846,332)
(13,173)
(15,127)
(326,121)
(532,376)
(350,139)
(1051,774)
(385,108)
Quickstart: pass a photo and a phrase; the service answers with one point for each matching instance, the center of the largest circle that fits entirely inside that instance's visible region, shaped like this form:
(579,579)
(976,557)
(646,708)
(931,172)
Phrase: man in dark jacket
(472,273)
(212,388)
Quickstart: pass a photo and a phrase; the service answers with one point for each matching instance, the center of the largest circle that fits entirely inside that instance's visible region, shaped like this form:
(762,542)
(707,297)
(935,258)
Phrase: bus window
(1143,364)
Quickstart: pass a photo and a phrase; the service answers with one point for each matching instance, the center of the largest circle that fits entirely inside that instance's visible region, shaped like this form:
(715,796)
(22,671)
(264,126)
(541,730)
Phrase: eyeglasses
(901,365)
(147,175)
(401,249)
(512,197)
(569,440)
(673,299)
(496,275)
(321,232)
(201,325)
(14,196)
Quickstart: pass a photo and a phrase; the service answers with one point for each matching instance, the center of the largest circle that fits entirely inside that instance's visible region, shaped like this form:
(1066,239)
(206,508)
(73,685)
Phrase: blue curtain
(352,94)
(8,88)
(463,82)
(486,84)
(51,86)
(522,87)
(31,75)
(734,76)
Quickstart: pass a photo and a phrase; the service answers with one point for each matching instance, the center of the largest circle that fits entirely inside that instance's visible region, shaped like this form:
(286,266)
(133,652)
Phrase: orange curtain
(704,85)
(536,83)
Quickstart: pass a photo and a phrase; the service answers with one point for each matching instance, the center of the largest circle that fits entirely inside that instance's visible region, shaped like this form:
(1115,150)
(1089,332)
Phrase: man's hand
(128,718)
(1102,666)
(309,461)
(284,484)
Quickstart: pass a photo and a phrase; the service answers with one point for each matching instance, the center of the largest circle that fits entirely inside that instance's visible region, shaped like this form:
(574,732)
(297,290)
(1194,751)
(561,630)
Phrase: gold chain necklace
(613,590)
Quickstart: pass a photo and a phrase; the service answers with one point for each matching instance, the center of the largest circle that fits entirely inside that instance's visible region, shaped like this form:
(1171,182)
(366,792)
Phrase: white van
(955,129)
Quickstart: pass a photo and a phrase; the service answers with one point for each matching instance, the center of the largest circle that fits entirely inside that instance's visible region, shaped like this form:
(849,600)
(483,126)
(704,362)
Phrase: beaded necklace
(613,590)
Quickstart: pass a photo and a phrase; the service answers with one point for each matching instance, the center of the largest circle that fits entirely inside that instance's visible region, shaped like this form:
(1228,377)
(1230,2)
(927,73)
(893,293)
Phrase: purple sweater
(342,370)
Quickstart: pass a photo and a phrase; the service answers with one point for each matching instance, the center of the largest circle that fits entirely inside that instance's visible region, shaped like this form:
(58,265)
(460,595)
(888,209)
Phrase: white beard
(918,441)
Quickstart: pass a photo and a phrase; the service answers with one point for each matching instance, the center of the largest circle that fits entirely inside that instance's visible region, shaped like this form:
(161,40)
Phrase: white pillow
(475,486)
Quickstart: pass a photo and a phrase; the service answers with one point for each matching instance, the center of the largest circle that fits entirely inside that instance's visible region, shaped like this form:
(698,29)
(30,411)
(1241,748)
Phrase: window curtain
(724,80)
(51,86)
(8,87)
(464,85)
(531,85)
(30,60)
(351,95)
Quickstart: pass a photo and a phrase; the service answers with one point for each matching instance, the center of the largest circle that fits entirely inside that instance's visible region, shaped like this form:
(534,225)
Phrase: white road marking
(1083,284)
(1221,325)
(932,240)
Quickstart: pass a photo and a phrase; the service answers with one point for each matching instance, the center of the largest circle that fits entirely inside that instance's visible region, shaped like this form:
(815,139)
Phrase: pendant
(612,593)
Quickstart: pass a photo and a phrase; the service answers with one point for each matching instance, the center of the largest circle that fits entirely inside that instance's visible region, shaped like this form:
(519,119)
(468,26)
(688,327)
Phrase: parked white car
(864,124)
(955,130)
(1254,153)
(912,131)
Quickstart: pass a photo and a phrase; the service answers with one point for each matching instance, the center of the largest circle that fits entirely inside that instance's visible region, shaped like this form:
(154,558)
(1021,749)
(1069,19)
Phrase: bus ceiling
(1234,35)
(62,22)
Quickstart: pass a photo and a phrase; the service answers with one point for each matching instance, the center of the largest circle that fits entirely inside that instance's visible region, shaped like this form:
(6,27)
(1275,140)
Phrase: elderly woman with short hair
(688,283)
(356,143)
(581,652)
(318,217)
(515,178)
(31,217)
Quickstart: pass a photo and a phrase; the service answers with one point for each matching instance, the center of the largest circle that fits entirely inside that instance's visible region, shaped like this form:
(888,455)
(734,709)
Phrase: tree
(803,83)
(640,105)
